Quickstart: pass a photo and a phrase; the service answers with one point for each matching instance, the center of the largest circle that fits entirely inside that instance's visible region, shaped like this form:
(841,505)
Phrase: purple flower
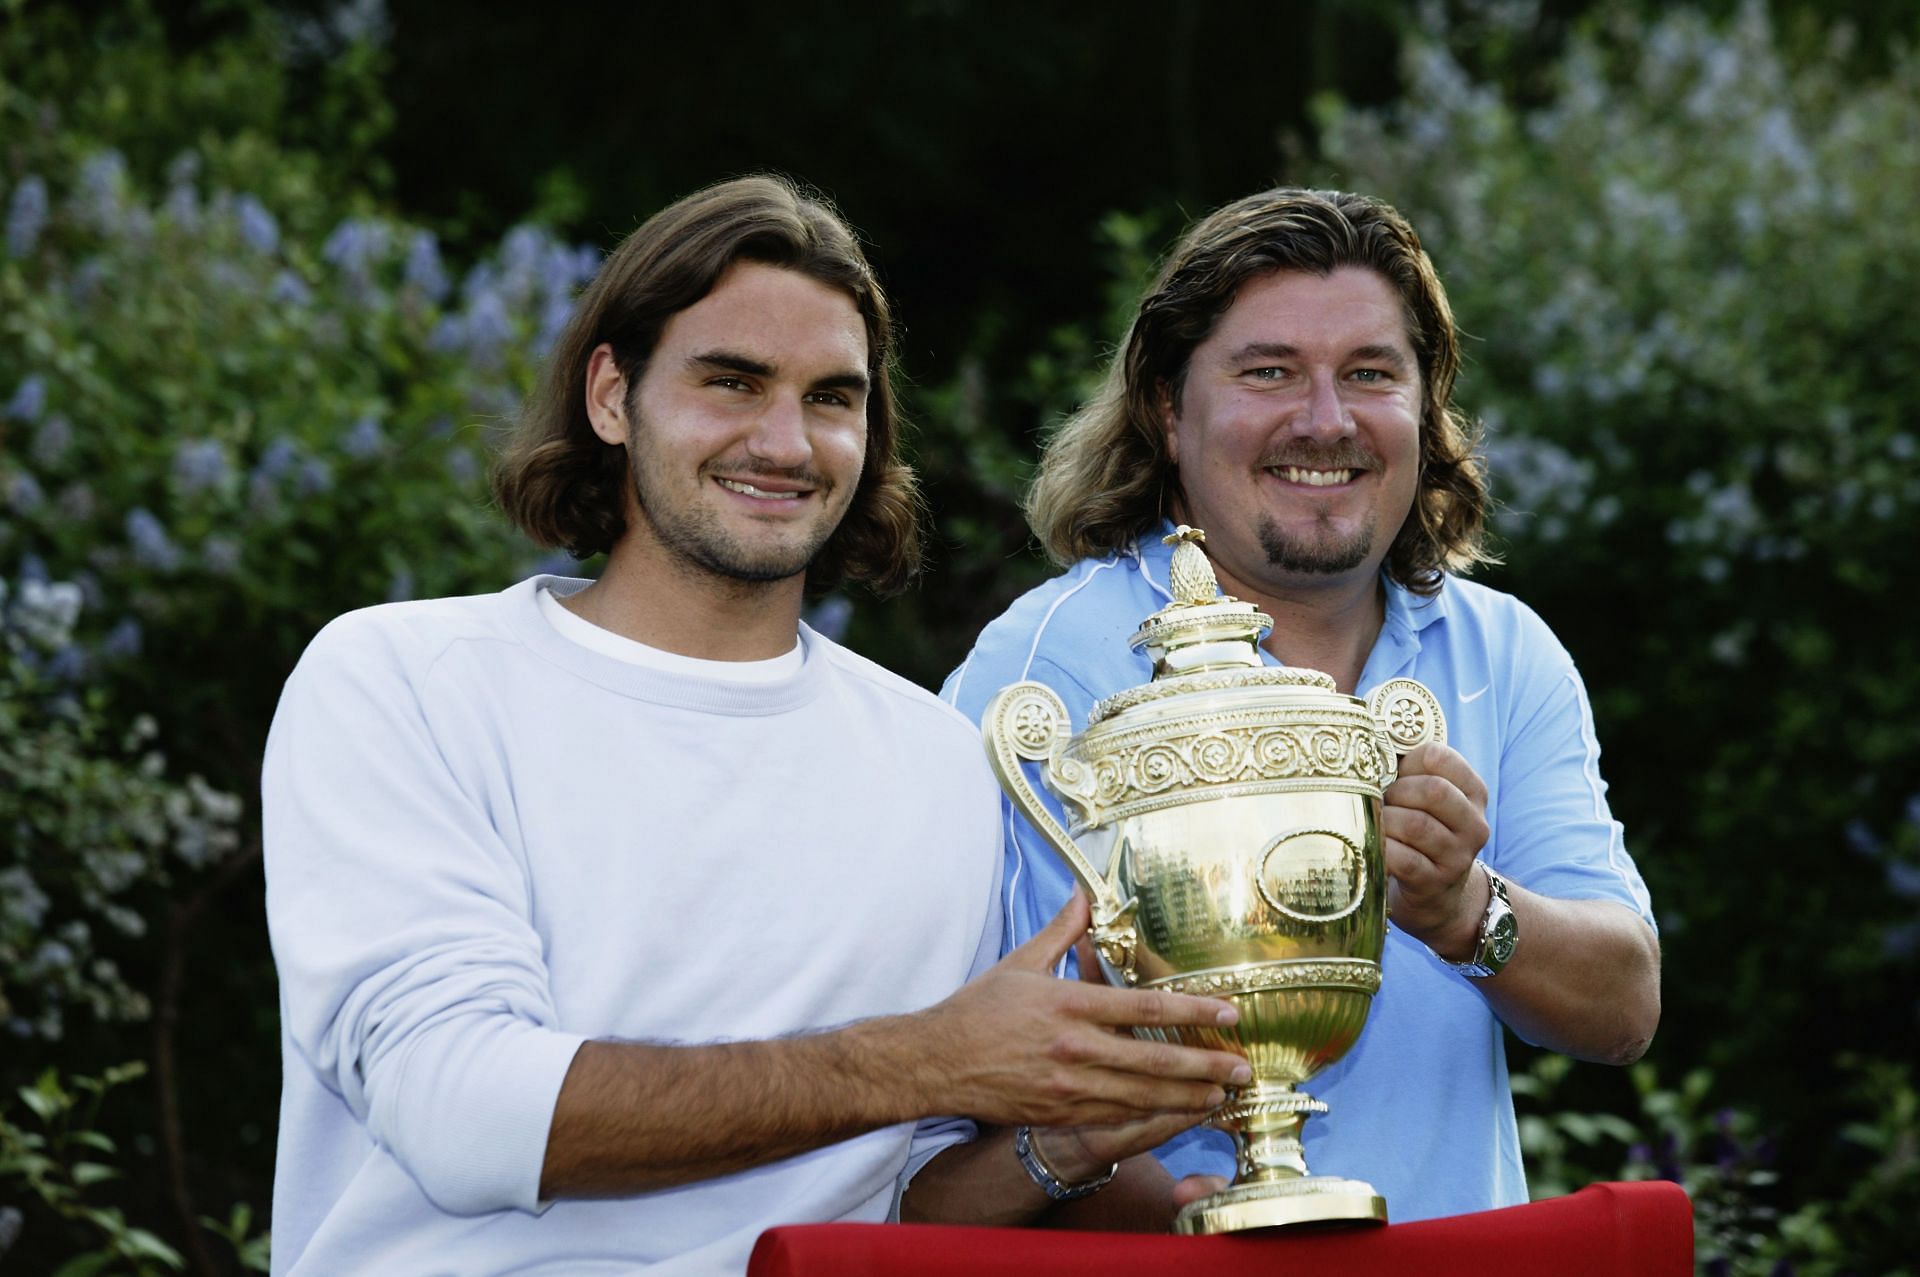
(29,399)
(26,216)
(359,244)
(24,493)
(363,440)
(200,464)
(424,271)
(45,611)
(553,321)
(122,641)
(829,617)
(489,328)
(263,496)
(481,279)
(313,477)
(520,257)
(349,245)
(183,207)
(449,335)
(151,545)
(277,458)
(221,555)
(100,193)
(290,290)
(565,269)
(68,665)
(85,284)
(258,229)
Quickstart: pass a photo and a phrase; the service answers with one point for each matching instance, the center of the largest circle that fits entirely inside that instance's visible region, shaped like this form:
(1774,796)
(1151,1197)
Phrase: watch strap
(1498,933)
(1042,1174)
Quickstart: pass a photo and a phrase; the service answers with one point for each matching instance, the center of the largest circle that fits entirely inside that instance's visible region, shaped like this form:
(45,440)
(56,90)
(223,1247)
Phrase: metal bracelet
(1042,1174)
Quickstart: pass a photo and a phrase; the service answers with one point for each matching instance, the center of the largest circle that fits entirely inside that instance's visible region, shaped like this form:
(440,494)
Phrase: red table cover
(1604,1230)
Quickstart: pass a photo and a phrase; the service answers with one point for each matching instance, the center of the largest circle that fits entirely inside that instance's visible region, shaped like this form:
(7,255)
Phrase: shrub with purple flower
(26,216)
(1668,249)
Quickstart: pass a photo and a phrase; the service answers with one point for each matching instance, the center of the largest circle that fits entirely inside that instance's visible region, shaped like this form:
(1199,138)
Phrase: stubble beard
(1322,551)
(1324,554)
(697,538)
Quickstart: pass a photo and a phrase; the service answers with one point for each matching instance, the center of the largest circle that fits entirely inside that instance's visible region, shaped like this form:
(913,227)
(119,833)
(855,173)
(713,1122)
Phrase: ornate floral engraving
(1212,750)
(1408,712)
(1211,681)
(1340,973)
(1033,721)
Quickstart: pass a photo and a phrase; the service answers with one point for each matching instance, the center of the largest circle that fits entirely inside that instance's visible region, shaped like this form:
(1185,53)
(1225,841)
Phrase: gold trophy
(1226,827)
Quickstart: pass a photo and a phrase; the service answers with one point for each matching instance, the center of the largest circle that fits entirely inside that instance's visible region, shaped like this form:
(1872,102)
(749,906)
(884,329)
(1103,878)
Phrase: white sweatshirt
(487,843)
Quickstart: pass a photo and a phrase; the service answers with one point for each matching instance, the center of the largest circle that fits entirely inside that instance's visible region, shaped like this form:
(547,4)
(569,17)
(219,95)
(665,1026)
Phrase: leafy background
(273,274)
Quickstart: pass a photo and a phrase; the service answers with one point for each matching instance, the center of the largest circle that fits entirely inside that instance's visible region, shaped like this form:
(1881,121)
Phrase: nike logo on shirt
(1473,696)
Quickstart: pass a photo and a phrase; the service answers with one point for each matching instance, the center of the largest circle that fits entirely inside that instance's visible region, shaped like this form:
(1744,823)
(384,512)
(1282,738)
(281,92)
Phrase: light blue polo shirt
(1420,1107)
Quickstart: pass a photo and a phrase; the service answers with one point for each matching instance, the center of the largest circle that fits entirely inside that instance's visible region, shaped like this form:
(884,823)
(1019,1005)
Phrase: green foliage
(241,432)
(1727,1159)
(1685,261)
(59,1155)
(236,400)
(93,827)
(240,409)
(251,1250)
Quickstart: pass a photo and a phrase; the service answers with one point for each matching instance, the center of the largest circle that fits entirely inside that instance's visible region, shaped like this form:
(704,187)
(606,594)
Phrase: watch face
(1505,932)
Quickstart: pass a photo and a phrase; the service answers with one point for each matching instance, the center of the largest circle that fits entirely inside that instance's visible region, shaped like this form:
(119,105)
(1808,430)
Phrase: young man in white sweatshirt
(619,921)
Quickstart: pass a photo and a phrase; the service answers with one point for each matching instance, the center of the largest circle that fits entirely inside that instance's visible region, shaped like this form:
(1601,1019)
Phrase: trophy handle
(1027,721)
(1408,713)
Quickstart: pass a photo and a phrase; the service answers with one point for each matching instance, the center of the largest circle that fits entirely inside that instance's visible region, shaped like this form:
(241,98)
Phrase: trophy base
(1316,1199)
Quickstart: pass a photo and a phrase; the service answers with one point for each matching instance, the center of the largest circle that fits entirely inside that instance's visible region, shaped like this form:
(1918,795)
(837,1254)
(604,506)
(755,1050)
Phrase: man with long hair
(619,920)
(1286,387)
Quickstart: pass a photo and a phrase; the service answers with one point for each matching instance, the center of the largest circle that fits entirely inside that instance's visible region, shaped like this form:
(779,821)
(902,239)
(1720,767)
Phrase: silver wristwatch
(1499,932)
(1043,1175)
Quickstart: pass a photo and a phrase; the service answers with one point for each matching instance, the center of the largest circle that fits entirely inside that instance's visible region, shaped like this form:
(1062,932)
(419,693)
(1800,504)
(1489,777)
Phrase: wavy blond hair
(564,486)
(1106,476)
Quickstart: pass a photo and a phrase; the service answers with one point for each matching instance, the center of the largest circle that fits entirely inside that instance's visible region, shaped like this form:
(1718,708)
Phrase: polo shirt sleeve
(1555,833)
(413,983)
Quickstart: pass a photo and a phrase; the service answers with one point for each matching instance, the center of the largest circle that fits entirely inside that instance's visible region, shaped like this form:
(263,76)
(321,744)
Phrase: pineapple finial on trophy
(1201,628)
(1191,577)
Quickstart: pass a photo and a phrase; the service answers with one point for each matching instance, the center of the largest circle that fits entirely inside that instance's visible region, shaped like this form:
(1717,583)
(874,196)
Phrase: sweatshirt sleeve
(413,982)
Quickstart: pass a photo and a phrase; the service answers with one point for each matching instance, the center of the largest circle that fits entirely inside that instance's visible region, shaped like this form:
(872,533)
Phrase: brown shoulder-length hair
(1106,476)
(564,486)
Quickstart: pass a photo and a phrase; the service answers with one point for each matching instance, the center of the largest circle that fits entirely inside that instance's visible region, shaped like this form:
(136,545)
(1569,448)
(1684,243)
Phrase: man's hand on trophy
(1435,823)
(1081,1152)
(1018,1046)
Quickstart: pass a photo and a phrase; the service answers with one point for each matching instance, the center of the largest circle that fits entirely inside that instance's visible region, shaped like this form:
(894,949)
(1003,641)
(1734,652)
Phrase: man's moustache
(1336,459)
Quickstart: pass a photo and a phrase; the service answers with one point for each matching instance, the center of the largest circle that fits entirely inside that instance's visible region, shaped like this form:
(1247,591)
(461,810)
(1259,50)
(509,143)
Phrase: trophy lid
(1203,640)
(1202,628)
